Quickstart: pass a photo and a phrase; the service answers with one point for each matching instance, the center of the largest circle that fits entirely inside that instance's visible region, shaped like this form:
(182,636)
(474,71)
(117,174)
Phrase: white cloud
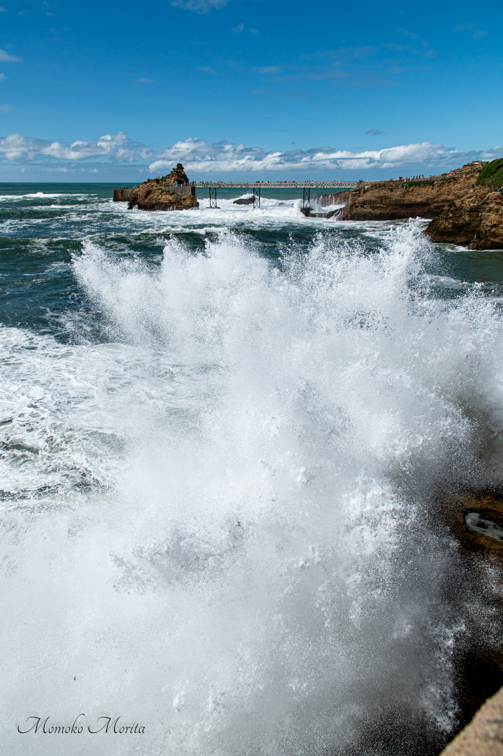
(224,158)
(221,158)
(2,76)
(6,57)
(238,29)
(200,6)
(207,69)
(117,148)
(142,80)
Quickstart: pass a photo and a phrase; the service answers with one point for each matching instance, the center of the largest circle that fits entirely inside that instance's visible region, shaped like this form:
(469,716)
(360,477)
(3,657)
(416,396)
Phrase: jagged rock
(245,201)
(463,210)
(177,176)
(475,221)
(171,192)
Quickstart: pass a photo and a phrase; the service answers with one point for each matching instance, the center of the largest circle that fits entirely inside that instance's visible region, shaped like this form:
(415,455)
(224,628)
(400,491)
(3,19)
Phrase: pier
(276,184)
(257,186)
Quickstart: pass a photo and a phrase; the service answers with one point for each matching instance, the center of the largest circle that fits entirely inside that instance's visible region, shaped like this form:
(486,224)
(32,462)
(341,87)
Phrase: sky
(248,90)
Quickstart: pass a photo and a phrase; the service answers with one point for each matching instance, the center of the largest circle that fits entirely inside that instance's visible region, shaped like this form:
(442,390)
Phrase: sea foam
(226,533)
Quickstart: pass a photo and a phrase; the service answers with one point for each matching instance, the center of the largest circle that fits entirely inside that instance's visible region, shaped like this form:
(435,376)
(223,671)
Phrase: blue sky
(261,89)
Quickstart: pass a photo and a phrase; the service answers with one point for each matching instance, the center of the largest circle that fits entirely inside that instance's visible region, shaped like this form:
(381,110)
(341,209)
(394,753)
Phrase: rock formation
(475,522)
(171,192)
(475,221)
(123,195)
(484,735)
(465,205)
(245,201)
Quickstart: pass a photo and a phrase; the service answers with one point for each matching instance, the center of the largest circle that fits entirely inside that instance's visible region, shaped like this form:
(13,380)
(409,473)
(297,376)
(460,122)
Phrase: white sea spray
(226,529)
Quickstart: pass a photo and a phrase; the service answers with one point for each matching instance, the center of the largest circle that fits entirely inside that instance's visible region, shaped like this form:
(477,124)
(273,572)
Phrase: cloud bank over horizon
(224,158)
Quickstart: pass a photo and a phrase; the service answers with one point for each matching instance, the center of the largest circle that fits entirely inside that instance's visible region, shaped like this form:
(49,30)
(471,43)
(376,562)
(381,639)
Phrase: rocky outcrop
(245,201)
(475,221)
(123,195)
(462,208)
(428,198)
(484,735)
(171,192)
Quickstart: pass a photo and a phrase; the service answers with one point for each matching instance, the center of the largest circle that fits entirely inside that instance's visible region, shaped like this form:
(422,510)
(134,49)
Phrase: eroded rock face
(462,212)
(171,192)
(475,221)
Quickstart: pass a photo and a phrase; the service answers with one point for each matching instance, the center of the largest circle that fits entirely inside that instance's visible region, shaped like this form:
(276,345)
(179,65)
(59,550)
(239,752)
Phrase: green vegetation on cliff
(492,174)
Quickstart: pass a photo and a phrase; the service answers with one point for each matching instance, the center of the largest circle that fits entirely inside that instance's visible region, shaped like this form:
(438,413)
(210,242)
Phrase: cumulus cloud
(223,158)
(6,57)
(117,148)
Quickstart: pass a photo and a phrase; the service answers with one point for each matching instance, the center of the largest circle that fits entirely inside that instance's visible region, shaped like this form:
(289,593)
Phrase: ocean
(225,434)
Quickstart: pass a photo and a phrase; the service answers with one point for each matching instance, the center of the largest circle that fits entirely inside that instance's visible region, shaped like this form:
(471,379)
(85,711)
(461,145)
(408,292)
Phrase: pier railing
(278,184)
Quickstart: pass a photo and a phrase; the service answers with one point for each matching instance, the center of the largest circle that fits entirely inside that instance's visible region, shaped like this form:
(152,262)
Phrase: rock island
(171,192)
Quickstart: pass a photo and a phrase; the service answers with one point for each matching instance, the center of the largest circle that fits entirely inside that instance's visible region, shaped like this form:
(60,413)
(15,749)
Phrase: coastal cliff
(171,192)
(464,205)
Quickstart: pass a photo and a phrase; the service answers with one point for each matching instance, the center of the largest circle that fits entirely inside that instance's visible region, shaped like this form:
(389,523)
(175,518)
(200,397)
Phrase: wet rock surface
(245,201)
(475,520)
(475,221)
